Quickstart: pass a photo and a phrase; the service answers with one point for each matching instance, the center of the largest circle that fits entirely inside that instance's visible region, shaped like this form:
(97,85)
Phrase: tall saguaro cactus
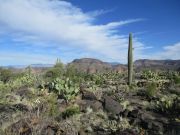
(130,60)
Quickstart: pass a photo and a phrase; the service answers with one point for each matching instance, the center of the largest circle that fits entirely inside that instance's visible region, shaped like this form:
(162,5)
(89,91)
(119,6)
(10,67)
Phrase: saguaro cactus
(130,60)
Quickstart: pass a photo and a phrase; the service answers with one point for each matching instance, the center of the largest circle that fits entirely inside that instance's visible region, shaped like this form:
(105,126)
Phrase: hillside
(94,65)
(157,64)
(90,65)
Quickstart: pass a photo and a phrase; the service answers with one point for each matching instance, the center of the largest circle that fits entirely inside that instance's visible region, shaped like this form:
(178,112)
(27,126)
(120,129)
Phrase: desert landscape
(65,71)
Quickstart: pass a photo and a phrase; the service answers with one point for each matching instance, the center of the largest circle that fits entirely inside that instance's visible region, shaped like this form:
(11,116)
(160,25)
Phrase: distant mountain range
(157,64)
(94,65)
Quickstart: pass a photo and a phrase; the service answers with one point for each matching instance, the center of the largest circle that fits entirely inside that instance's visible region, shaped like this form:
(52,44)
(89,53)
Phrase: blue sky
(39,31)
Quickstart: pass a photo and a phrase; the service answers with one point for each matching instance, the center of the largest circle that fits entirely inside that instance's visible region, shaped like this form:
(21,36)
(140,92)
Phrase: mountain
(94,65)
(90,65)
(157,64)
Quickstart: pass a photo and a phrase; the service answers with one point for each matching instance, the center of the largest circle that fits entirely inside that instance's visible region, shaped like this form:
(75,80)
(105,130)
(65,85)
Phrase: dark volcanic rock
(24,92)
(50,130)
(94,104)
(22,127)
(112,106)
(126,132)
(88,95)
(21,107)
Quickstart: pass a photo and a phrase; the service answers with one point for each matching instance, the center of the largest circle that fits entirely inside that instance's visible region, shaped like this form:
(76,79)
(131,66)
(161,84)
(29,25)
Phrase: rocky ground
(101,105)
(107,111)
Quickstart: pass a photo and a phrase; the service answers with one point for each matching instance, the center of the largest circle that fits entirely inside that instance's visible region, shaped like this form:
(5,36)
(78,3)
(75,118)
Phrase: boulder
(112,105)
(21,127)
(21,107)
(84,104)
(88,95)
(24,92)
(50,130)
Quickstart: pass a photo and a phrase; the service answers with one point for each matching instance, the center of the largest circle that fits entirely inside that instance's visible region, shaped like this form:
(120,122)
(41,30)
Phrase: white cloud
(168,52)
(8,58)
(64,25)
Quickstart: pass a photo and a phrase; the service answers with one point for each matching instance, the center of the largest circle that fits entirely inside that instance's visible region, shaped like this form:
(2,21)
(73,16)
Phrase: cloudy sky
(40,31)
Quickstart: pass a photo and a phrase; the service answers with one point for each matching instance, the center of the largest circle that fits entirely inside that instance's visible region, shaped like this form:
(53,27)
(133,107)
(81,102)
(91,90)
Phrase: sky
(40,31)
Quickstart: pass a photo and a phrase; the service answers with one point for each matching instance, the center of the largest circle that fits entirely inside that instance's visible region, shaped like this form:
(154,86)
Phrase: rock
(21,127)
(6,108)
(50,130)
(24,92)
(84,104)
(134,113)
(126,132)
(150,122)
(112,106)
(82,132)
(125,113)
(11,98)
(6,112)
(173,128)
(21,107)
(88,95)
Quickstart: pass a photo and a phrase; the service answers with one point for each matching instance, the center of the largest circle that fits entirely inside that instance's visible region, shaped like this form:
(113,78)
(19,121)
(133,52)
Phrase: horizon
(51,65)
(40,31)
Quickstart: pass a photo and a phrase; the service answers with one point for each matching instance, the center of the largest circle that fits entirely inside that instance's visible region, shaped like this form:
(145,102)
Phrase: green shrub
(56,71)
(177,79)
(52,105)
(151,89)
(5,75)
(71,71)
(70,111)
(168,105)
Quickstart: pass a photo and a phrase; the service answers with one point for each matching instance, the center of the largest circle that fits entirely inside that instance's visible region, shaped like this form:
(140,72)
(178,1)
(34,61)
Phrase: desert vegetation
(65,101)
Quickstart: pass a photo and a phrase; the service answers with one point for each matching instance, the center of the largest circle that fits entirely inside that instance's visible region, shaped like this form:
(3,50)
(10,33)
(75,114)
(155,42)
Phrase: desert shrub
(25,80)
(71,71)
(70,111)
(113,125)
(176,79)
(133,86)
(151,89)
(52,105)
(5,75)
(148,74)
(168,105)
(56,71)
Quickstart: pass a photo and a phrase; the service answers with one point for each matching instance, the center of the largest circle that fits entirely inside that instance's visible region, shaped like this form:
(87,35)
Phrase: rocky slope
(158,64)
(94,65)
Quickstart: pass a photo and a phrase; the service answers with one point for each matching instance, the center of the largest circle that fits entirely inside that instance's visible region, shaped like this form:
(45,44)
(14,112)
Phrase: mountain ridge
(93,65)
